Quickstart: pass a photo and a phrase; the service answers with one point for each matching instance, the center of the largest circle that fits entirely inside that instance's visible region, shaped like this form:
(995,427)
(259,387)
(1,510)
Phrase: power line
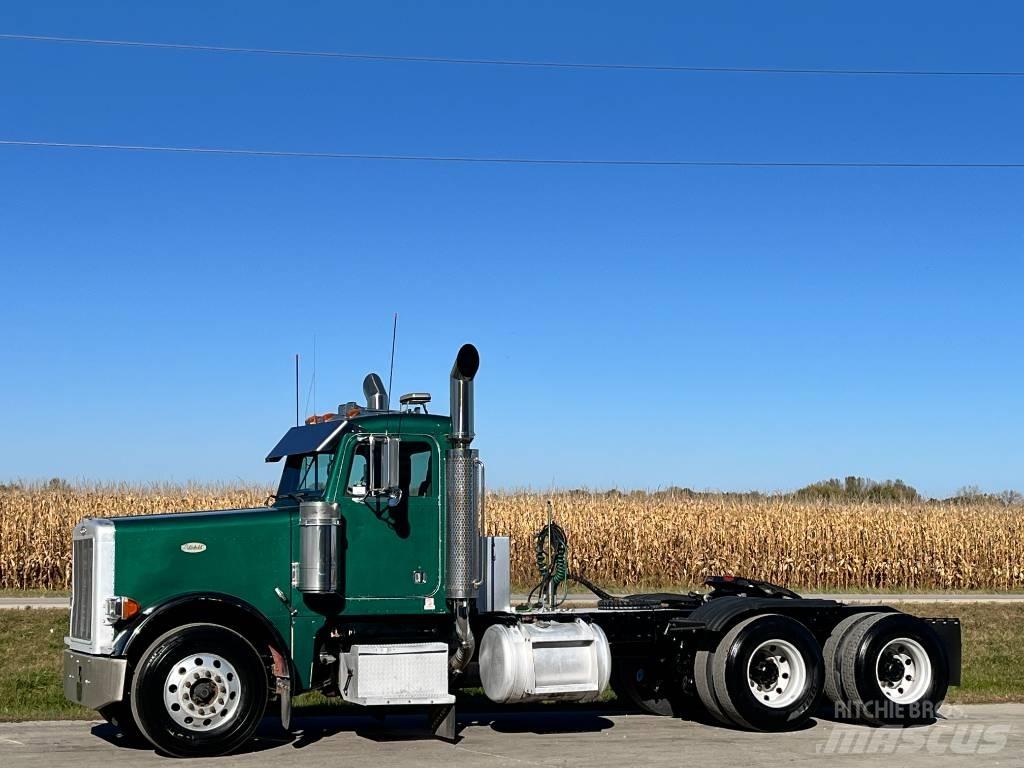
(516,62)
(499,160)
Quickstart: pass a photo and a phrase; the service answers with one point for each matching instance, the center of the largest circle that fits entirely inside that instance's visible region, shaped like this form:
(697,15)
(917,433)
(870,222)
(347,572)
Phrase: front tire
(199,690)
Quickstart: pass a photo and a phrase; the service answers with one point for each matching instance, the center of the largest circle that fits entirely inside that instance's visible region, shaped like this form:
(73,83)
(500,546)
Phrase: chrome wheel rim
(776,674)
(202,692)
(903,671)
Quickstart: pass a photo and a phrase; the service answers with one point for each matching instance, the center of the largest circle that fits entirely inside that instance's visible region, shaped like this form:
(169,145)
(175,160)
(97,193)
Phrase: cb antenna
(391,373)
(296,389)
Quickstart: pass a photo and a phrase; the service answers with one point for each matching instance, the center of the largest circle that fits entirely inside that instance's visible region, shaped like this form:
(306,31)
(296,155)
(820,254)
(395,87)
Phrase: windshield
(306,476)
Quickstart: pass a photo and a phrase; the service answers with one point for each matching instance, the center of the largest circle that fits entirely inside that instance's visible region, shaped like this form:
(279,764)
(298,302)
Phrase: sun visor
(310,438)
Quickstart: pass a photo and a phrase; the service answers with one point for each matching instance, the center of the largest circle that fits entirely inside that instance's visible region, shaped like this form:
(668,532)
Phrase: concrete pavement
(977,735)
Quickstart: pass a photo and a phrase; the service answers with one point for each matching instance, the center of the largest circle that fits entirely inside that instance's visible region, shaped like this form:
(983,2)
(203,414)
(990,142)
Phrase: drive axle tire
(640,686)
(703,676)
(199,690)
(834,660)
(768,673)
(894,670)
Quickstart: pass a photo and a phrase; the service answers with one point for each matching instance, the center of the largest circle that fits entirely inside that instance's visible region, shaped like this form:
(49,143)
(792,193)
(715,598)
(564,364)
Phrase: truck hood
(241,552)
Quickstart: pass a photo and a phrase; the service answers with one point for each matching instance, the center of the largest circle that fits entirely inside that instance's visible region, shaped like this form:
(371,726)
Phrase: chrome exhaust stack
(463,498)
(467,362)
(376,395)
(463,503)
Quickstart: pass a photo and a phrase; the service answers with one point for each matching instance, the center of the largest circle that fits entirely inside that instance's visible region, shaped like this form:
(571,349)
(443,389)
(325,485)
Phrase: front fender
(213,607)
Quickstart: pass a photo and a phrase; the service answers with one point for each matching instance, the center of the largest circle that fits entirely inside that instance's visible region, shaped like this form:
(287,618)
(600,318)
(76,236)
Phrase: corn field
(627,541)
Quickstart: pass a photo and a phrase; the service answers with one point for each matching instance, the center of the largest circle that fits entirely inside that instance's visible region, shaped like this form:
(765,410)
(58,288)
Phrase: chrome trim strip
(332,436)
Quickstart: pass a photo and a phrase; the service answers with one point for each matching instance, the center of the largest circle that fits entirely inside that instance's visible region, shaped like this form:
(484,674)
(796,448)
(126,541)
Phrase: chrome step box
(406,673)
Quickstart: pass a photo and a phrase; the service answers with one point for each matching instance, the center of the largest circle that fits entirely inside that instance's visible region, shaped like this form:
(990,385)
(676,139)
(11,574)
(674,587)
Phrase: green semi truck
(367,577)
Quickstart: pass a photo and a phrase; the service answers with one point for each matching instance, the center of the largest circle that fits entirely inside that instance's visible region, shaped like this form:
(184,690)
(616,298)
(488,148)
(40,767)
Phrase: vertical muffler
(463,503)
(463,495)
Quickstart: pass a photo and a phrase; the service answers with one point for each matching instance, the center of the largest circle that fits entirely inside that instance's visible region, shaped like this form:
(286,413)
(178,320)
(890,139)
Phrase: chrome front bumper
(93,681)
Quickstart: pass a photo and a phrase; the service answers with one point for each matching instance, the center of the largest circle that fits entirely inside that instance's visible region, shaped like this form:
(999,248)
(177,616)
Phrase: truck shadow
(401,726)
(411,727)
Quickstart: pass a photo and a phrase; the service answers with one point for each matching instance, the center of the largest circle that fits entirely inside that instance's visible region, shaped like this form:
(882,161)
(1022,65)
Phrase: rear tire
(703,676)
(894,670)
(640,686)
(768,673)
(834,660)
(199,690)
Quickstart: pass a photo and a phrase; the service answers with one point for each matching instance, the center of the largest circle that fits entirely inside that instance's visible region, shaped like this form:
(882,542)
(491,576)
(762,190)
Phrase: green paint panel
(392,557)
(393,560)
(245,553)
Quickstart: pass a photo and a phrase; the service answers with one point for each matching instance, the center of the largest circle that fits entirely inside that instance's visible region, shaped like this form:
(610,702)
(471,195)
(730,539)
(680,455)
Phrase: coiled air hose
(552,555)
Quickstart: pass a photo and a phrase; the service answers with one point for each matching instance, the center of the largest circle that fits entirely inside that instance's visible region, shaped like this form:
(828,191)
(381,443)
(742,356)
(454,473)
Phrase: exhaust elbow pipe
(467,362)
(376,395)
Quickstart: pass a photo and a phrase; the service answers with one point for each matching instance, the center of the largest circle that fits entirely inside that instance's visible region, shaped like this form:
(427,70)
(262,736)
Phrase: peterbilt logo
(193,547)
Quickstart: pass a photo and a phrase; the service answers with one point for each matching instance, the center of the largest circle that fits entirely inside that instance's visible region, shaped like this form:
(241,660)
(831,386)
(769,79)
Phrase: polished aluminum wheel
(903,671)
(202,692)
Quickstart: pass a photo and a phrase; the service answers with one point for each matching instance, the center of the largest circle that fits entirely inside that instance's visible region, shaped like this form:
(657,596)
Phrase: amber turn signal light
(120,608)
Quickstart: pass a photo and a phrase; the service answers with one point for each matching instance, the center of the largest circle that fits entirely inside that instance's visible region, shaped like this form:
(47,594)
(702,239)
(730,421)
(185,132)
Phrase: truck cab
(404,519)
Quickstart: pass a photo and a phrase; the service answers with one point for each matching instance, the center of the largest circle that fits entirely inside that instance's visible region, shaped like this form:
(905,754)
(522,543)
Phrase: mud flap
(282,687)
(442,721)
(284,690)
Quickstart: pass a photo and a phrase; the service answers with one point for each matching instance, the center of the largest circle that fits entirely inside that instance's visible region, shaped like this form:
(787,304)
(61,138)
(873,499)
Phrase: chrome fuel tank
(567,661)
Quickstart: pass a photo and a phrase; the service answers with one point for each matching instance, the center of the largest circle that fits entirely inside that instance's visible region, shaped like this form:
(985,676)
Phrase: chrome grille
(82,584)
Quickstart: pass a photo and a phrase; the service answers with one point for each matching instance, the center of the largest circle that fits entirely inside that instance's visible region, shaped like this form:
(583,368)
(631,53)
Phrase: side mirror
(383,471)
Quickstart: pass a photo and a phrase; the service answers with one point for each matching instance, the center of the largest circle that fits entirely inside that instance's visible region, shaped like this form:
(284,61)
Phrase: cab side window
(416,465)
(416,469)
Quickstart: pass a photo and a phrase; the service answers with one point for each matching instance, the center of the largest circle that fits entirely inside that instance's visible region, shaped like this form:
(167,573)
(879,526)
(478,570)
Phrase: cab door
(391,552)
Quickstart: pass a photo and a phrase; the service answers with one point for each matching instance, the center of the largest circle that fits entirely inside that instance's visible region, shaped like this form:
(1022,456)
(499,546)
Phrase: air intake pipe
(376,395)
(463,502)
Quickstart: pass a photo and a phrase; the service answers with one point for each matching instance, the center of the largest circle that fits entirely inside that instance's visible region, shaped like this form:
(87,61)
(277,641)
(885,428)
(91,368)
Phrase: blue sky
(639,327)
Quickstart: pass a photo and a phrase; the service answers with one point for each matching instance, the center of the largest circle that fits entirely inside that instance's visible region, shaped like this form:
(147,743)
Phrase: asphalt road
(978,735)
(585,598)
